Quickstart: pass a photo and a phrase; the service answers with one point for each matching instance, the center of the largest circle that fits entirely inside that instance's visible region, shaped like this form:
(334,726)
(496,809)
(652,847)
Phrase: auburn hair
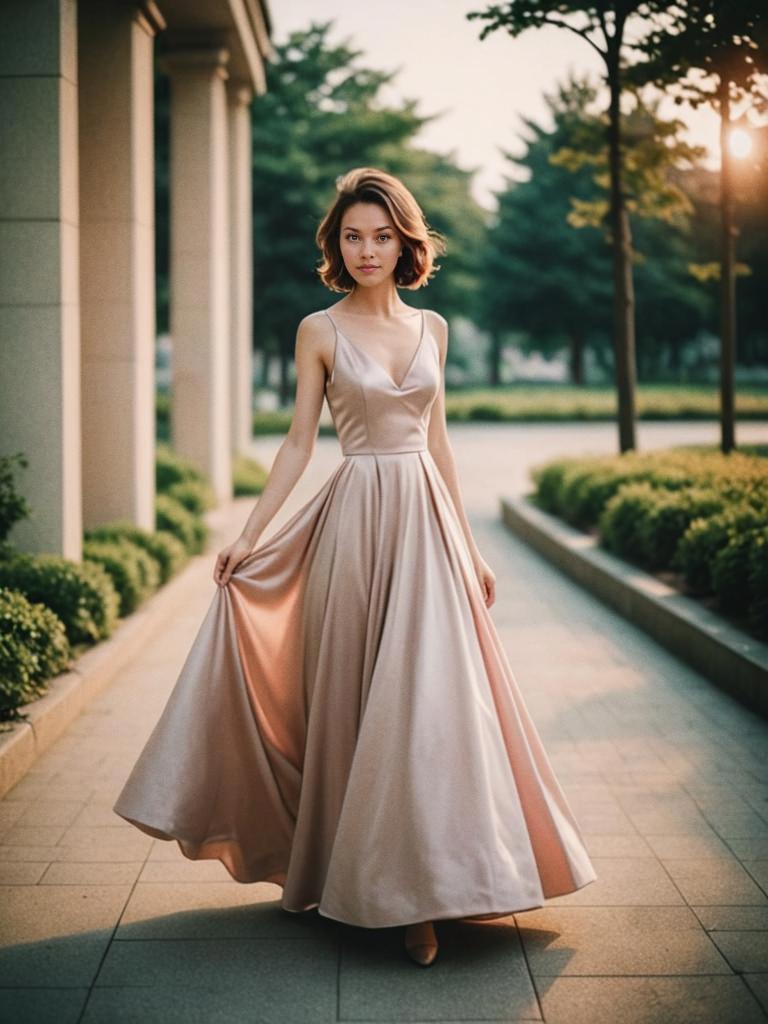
(421,244)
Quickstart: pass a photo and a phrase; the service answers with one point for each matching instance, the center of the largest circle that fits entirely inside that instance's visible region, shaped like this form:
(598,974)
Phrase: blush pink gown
(346,723)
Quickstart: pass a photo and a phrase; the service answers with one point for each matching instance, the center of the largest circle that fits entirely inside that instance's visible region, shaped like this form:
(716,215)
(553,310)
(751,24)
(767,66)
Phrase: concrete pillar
(39,290)
(117,260)
(200,254)
(241,264)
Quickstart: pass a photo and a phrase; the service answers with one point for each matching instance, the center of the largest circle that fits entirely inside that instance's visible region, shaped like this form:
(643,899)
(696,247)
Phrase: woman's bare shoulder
(436,319)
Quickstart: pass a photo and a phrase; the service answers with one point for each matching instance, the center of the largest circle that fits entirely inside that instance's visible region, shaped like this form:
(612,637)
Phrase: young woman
(346,723)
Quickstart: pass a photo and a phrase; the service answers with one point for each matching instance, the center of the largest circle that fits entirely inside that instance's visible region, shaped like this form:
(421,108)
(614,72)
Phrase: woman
(346,723)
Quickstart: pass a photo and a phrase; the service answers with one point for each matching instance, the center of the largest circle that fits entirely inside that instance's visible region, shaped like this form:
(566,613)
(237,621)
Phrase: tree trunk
(576,339)
(623,288)
(727,279)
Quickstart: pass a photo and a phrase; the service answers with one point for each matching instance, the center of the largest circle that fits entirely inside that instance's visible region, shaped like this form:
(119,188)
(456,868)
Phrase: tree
(548,248)
(602,24)
(546,278)
(727,41)
(319,117)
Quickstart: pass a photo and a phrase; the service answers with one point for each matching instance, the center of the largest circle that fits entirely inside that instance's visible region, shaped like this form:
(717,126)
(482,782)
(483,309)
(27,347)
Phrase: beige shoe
(420,948)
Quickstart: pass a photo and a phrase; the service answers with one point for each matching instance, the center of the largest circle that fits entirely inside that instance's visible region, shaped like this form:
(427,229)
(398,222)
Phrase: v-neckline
(401,385)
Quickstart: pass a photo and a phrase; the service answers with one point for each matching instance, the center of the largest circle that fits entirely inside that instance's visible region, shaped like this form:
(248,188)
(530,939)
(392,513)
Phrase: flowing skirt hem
(195,851)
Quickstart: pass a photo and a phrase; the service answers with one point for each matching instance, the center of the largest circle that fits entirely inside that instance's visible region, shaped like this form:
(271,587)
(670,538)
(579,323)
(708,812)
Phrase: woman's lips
(369,270)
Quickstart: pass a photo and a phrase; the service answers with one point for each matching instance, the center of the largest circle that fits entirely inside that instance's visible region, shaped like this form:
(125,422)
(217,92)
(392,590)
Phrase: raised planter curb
(70,692)
(728,657)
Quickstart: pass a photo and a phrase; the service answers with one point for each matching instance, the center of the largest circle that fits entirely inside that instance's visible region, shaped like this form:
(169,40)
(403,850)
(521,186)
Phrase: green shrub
(705,537)
(548,478)
(13,506)
(197,497)
(33,649)
(171,515)
(134,572)
(81,594)
(249,476)
(167,550)
(758,583)
(172,468)
(730,572)
(622,518)
(667,520)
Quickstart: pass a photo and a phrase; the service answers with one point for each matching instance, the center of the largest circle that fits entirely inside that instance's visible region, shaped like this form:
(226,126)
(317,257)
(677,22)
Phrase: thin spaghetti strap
(335,346)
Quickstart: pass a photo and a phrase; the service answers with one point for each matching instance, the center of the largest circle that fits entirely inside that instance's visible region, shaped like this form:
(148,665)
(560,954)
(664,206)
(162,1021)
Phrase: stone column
(241,264)
(200,289)
(39,291)
(117,259)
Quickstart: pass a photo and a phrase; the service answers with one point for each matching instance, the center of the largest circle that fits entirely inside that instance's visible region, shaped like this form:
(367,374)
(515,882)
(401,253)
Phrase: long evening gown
(346,723)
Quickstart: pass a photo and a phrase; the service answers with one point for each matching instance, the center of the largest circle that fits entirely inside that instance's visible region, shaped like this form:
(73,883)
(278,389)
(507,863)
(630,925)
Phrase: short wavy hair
(421,244)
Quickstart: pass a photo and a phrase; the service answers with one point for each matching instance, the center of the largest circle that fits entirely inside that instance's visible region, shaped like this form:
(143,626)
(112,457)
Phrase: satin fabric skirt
(347,725)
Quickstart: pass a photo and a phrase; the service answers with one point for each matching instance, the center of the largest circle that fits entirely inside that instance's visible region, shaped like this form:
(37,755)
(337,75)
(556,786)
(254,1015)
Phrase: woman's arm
(440,448)
(314,342)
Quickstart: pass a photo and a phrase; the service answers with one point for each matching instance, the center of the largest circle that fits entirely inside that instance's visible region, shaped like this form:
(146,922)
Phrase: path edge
(730,658)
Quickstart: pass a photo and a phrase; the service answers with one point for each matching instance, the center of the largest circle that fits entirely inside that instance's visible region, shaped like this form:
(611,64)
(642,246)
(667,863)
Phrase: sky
(480,89)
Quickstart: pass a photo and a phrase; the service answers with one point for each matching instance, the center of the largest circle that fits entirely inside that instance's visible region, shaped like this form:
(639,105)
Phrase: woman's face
(368,239)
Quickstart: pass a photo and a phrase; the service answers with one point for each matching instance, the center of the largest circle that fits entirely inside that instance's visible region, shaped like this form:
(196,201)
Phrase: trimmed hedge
(249,476)
(80,593)
(172,516)
(134,572)
(687,509)
(33,649)
(166,549)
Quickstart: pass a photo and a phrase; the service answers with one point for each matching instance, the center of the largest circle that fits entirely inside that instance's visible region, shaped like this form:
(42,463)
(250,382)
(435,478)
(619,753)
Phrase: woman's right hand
(228,560)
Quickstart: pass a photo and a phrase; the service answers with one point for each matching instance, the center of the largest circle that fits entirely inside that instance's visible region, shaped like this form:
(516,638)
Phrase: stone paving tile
(185,871)
(481,975)
(733,919)
(638,882)
(700,1000)
(617,941)
(746,952)
(280,979)
(759,871)
(715,881)
(42,1005)
(758,983)
(684,847)
(215,910)
(55,933)
(21,872)
(90,873)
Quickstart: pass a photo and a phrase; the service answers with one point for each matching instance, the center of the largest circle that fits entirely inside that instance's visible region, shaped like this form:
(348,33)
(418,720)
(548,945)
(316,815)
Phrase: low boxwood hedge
(134,571)
(33,648)
(81,594)
(165,548)
(691,510)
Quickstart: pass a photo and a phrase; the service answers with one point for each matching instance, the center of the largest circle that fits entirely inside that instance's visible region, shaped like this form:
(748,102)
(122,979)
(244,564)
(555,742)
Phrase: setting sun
(740,142)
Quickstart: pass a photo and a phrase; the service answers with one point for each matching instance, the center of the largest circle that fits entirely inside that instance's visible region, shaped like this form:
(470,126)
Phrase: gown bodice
(372,414)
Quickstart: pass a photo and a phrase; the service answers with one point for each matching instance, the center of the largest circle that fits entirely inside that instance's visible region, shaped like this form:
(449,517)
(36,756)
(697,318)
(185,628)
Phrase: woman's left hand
(486,579)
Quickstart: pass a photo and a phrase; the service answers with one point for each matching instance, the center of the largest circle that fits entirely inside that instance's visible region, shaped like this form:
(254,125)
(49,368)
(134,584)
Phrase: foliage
(80,593)
(249,476)
(13,506)
(33,648)
(166,549)
(690,509)
(172,468)
(134,572)
(172,516)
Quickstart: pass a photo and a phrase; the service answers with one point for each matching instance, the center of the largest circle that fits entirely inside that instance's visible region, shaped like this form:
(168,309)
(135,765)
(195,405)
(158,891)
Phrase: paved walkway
(667,776)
